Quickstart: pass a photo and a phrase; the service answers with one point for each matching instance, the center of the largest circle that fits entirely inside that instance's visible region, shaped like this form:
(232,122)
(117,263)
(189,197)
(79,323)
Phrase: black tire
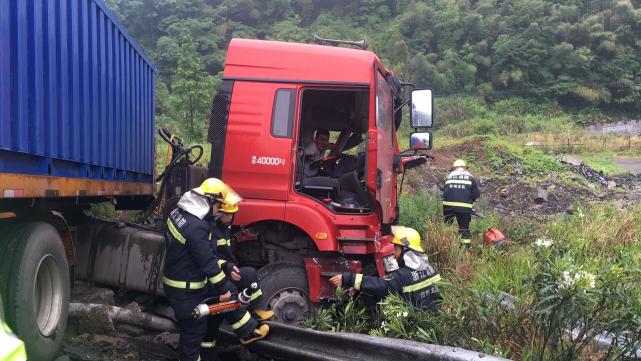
(35,286)
(286,292)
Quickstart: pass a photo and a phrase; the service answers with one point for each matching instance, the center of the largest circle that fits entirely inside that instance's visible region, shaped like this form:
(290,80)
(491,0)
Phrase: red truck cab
(305,217)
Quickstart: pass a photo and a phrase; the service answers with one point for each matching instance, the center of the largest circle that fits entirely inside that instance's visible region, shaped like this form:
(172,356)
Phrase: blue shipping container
(76,93)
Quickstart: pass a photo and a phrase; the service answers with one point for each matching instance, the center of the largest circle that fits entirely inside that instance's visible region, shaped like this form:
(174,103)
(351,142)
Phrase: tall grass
(580,273)
(464,116)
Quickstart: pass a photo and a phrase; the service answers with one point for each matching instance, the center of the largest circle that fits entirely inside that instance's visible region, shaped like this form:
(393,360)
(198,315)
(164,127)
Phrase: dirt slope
(507,189)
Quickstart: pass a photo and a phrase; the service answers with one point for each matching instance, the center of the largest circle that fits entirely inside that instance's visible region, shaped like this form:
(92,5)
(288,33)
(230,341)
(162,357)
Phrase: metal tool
(244,298)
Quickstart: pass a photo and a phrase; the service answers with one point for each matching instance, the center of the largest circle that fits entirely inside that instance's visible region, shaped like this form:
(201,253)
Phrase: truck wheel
(35,286)
(286,292)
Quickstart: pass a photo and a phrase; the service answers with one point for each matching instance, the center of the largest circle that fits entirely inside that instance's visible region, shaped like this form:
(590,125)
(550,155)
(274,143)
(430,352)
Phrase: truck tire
(286,292)
(35,286)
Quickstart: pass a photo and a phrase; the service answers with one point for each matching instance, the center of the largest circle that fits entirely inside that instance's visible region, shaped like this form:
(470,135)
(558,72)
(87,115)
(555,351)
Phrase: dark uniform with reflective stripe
(417,287)
(192,274)
(459,194)
(221,236)
(222,244)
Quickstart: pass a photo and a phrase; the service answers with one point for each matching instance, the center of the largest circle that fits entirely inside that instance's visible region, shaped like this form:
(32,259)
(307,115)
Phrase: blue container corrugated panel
(76,93)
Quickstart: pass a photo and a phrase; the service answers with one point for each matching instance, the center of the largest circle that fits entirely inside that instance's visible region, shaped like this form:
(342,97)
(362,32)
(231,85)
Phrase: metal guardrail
(294,343)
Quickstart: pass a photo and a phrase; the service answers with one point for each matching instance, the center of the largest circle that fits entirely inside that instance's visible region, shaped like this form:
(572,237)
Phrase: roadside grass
(465,116)
(512,122)
(580,269)
(494,156)
(581,141)
(490,156)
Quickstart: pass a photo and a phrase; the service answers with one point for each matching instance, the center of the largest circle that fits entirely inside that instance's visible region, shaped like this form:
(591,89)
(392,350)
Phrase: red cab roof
(278,61)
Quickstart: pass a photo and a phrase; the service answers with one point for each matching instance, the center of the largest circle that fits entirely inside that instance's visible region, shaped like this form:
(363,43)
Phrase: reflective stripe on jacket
(460,192)
(190,258)
(221,234)
(11,347)
(418,287)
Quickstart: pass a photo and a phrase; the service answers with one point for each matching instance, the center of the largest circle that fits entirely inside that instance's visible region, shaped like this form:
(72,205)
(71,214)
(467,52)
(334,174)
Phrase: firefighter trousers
(463,219)
(193,332)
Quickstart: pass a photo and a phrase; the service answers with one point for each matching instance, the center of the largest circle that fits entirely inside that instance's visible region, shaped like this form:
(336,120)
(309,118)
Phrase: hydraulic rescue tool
(205,309)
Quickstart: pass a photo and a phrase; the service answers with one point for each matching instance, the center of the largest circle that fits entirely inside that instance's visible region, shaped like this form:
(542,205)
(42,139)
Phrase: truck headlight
(390,264)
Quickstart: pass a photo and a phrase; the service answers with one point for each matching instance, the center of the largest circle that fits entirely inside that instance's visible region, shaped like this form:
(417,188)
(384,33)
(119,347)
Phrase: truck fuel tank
(119,255)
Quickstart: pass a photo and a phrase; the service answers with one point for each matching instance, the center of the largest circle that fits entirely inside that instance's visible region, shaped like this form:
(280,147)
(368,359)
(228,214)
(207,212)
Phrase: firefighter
(193,272)
(242,277)
(459,194)
(415,278)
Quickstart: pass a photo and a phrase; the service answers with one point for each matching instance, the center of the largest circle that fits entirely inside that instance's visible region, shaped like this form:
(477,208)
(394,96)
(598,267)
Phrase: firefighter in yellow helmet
(194,272)
(414,278)
(242,277)
(11,347)
(459,194)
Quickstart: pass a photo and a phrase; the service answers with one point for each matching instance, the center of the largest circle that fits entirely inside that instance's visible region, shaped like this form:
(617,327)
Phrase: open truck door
(381,144)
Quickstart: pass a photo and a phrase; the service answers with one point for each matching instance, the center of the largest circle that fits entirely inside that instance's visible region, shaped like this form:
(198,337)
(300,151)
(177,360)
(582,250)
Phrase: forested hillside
(582,53)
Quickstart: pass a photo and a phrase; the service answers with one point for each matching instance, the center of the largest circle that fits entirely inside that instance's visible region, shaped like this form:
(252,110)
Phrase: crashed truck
(77,129)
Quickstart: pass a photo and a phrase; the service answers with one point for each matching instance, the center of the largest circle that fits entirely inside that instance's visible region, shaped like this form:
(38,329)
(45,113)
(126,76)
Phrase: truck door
(259,145)
(384,144)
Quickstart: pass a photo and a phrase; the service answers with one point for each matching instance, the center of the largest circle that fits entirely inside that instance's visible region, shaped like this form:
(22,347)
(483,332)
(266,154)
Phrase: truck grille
(218,127)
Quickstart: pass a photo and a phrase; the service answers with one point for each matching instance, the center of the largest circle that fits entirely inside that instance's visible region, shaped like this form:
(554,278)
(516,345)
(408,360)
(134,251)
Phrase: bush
(456,109)
(510,158)
(522,231)
(484,126)
(344,315)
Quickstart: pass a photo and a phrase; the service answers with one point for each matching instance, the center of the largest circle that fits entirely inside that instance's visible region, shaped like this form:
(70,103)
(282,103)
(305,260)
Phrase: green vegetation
(582,274)
(461,116)
(577,272)
(581,54)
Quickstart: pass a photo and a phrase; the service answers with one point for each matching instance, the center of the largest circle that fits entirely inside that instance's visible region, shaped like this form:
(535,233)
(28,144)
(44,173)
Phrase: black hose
(178,152)
(200,155)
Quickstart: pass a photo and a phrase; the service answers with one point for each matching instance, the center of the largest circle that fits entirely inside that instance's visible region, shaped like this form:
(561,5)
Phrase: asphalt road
(633,164)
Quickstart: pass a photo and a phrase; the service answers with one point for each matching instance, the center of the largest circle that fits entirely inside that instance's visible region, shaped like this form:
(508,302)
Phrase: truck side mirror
(421,141)
(422,104)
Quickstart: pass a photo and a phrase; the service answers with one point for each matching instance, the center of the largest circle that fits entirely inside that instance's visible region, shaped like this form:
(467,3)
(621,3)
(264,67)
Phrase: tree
(568,50)
(191,88)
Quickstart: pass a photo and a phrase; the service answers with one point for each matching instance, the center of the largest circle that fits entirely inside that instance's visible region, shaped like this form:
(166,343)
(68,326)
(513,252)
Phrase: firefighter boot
(208,354)
(259,333)
(261,315)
